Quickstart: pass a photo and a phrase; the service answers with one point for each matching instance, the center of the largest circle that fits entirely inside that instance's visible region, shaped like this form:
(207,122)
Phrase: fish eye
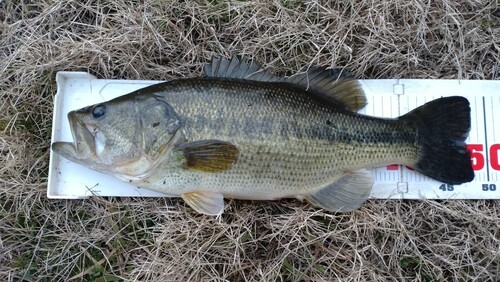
(98,111)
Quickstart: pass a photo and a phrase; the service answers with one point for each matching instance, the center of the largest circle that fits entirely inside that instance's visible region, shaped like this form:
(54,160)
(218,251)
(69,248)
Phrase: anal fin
(205,202)
(344,195)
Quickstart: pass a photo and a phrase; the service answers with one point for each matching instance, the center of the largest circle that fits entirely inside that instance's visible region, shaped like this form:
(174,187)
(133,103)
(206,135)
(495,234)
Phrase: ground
(112,239)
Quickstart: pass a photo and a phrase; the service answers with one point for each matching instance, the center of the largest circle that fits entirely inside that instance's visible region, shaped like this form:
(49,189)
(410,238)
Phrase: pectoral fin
(208,155)
(209,203)
(346,194)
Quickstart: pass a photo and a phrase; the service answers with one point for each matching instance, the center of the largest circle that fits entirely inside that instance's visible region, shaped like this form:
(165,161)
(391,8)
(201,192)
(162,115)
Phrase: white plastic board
(386,98)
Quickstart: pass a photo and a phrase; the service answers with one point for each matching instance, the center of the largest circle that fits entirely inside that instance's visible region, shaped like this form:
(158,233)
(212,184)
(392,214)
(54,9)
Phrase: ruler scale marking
(486,141)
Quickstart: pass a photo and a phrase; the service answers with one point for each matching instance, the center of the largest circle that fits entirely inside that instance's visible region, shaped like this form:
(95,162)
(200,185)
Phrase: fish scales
(289,141)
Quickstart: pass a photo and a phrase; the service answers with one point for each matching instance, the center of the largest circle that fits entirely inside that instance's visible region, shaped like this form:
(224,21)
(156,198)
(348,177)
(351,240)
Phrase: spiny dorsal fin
(238,68)
(335,84)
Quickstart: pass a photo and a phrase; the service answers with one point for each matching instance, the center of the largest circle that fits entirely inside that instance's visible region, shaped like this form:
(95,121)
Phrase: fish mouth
(83,145)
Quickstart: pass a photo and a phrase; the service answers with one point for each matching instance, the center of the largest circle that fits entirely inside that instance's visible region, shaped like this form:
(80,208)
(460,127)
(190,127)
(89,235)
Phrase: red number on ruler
(494,151)
(392,167)
(395,167)
(477,157)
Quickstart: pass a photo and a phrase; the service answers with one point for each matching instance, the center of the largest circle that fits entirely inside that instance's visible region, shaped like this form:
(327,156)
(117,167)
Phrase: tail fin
(442,127)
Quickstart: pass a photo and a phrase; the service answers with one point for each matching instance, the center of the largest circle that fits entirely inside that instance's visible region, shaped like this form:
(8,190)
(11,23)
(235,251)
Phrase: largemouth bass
(242,132)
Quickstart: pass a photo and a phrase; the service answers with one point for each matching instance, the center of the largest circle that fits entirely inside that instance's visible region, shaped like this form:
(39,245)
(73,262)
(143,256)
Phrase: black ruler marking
(486,142)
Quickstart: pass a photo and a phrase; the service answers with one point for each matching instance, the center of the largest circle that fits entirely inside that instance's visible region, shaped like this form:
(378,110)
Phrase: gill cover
(159,123)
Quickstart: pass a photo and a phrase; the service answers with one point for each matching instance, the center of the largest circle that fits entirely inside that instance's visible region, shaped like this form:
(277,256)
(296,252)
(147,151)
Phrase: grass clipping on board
(111,239)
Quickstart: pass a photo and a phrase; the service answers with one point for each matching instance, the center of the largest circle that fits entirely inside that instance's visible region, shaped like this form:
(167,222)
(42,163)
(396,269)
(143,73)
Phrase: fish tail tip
(443,125)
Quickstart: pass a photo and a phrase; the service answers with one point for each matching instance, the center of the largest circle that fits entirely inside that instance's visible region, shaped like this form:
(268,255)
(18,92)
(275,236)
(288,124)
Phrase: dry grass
(107,239)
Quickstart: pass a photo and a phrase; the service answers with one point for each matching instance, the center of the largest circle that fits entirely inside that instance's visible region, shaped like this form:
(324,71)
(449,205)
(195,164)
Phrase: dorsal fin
(337,85)
(238,68)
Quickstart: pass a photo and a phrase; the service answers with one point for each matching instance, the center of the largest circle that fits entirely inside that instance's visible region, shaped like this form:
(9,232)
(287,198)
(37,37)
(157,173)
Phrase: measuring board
(386,98)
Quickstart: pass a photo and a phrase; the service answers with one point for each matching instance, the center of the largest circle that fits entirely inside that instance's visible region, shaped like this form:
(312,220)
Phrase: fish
(242,132)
